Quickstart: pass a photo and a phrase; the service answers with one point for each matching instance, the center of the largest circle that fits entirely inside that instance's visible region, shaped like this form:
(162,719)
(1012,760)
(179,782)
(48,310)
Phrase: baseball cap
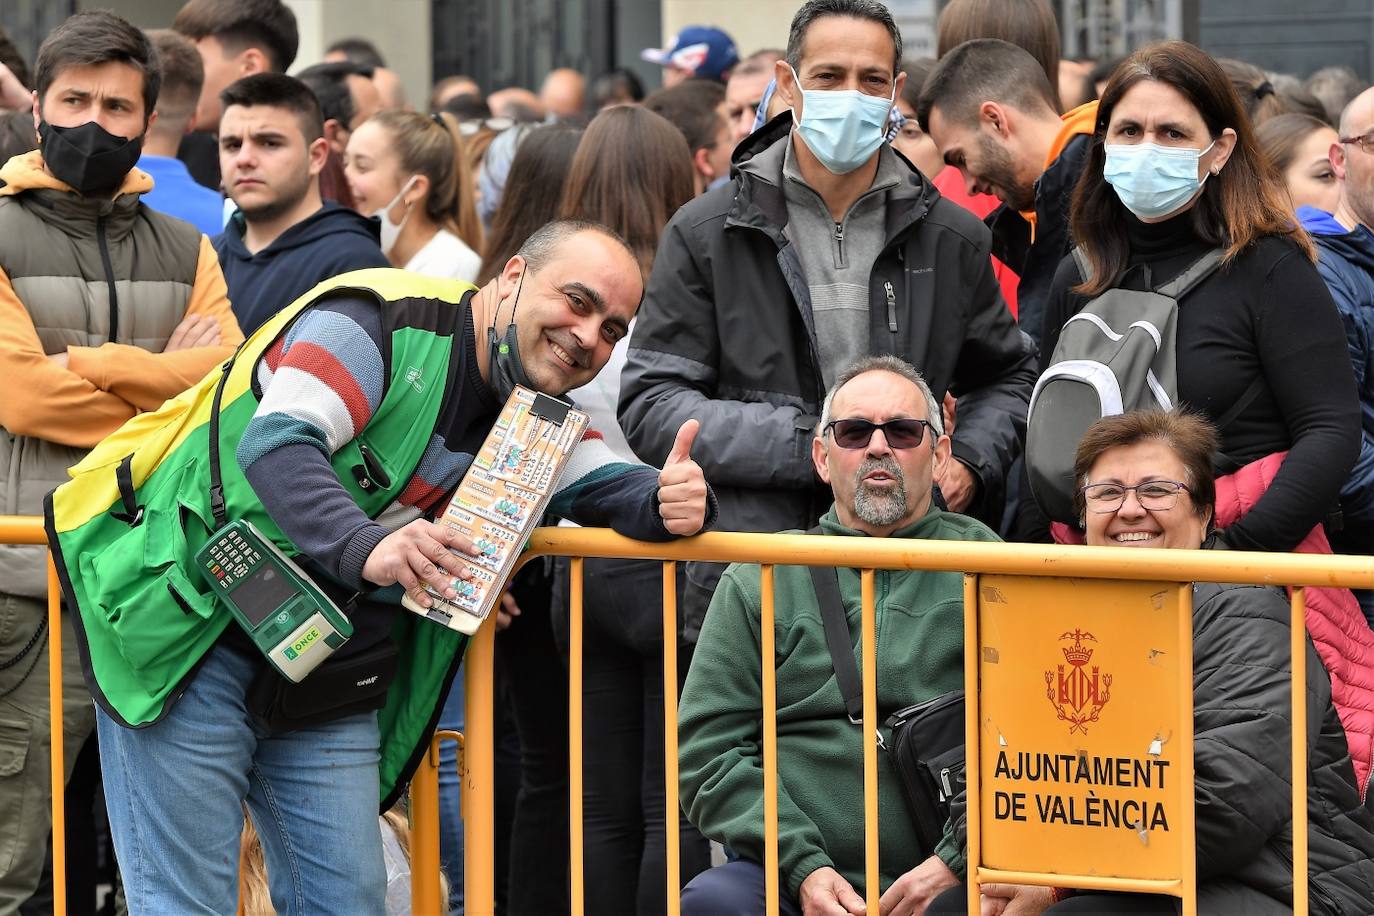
(701,50)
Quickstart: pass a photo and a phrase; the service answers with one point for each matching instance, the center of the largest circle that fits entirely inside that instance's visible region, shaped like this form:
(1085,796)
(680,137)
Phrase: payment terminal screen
(261,594)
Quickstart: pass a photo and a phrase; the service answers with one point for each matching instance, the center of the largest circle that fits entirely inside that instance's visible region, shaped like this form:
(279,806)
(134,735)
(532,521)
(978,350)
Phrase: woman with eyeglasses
(1145,480)
(1174,173)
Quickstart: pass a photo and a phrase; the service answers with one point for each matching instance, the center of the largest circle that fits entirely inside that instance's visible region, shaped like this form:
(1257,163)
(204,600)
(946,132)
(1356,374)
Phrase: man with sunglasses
(880,444)
(1345,243)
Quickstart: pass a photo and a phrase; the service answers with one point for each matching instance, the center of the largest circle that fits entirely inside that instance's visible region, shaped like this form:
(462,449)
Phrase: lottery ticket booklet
(502,497)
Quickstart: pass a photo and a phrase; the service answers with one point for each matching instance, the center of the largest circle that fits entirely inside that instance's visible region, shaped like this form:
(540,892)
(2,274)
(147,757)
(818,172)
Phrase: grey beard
(879,507)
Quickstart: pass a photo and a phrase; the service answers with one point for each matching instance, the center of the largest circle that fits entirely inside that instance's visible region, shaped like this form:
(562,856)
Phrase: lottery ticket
(501,498)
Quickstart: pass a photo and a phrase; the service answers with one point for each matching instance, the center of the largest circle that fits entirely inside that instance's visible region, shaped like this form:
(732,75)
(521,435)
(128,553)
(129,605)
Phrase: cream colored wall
(754,24)
(399,28)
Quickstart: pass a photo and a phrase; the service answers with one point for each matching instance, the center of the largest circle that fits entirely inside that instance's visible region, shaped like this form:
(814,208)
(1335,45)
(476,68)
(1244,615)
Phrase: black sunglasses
(855,433)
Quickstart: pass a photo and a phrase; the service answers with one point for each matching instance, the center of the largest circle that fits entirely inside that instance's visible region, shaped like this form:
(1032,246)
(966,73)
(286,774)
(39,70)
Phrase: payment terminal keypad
(231,558)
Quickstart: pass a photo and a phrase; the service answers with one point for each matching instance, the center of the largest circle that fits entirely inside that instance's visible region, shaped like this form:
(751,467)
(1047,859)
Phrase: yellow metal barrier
(972,559)
(25,530)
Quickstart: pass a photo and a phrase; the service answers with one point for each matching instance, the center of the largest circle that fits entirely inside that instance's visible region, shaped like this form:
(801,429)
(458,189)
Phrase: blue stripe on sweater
(348,340)
(268,431)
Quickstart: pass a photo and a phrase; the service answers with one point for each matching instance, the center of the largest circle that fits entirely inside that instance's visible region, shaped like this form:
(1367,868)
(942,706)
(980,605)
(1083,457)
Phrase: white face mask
(392,231)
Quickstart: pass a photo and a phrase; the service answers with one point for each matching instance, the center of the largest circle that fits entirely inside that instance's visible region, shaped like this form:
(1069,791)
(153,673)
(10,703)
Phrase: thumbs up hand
(682,486)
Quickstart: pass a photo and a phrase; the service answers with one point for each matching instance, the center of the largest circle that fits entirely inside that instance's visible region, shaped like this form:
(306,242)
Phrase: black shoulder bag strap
(216,480)
(826,581)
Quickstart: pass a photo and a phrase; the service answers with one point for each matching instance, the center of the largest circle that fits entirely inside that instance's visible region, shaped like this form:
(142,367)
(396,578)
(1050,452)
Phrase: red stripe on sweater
(273,355)
(421,494)
(319,362)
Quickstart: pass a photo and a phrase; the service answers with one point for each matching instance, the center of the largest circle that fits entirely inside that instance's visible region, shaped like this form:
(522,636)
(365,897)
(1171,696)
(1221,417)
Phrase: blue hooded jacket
(1347,265)
(331,241)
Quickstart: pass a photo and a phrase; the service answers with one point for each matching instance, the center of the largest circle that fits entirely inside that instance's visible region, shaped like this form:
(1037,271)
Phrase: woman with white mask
(1174,173)
(411,172)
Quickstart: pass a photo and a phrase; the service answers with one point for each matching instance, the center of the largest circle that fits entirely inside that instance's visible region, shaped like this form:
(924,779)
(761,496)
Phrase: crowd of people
(822,287)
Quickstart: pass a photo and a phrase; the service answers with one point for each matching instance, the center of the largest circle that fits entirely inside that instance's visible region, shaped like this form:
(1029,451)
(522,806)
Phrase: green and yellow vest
(126,527)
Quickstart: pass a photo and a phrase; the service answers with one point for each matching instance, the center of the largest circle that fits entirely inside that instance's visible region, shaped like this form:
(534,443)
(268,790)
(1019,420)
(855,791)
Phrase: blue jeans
(733,889)
(175,790)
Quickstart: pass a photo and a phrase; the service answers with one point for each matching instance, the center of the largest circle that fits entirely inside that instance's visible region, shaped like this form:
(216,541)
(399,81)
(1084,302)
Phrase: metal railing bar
(1151,564)
(1083,882)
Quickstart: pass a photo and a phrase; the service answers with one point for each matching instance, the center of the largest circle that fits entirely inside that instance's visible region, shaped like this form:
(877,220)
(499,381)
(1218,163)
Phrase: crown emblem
(1076,691)
(1077,654)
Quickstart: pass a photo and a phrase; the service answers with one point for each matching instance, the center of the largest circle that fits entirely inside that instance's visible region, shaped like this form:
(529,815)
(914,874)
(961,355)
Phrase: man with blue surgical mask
(824,247)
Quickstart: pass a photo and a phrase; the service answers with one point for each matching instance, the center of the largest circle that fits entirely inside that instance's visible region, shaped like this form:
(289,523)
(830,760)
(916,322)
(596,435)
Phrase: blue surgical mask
(1153,180)
(843,127)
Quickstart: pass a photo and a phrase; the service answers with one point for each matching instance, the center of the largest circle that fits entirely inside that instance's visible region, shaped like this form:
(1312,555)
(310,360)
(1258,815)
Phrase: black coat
(725,335)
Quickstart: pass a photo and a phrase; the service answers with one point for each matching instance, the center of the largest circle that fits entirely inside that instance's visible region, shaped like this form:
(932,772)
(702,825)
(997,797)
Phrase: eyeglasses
(1365,142)
(855,433)
(1155,495)
(470,128)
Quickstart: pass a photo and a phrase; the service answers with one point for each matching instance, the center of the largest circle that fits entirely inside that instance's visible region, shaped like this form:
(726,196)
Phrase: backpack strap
(1238,406)
(1200,270)
(826,580)
(1080,258)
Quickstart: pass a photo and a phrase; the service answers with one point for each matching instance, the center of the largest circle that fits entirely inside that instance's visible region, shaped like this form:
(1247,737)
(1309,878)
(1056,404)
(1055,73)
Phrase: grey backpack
(1115,355)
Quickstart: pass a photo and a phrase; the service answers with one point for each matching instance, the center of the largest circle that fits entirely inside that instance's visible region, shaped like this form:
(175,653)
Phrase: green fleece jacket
(920,646)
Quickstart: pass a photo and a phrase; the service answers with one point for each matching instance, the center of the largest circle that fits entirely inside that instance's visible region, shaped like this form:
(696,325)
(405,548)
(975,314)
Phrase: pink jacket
(1335,622)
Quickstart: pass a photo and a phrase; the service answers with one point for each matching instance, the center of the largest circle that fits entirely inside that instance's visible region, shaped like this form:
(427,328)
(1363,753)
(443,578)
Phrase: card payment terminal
(291,621)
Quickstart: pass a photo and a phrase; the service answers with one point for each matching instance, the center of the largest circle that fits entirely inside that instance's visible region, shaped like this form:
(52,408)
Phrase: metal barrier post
(1188,829)
(424,833)
(972,734)
(479,866)
(670,788)
(769,683)
(59,769)
(869,733)
(16,529)
(576,851)
(1298,649)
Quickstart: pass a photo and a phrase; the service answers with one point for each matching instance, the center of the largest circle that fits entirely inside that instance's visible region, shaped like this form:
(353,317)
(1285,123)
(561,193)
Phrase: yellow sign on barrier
(1080,733)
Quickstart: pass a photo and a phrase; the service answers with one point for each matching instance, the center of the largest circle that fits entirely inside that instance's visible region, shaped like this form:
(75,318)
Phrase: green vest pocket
(151,609)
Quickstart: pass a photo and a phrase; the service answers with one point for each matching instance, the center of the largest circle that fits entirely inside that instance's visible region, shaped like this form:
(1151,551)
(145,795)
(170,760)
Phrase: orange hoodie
(99,387)
(1082,120)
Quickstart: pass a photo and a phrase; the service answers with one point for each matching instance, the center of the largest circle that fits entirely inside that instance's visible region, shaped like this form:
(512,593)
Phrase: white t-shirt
(446,256)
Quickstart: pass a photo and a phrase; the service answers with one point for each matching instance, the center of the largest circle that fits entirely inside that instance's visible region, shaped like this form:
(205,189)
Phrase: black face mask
(505,366)
(89,158)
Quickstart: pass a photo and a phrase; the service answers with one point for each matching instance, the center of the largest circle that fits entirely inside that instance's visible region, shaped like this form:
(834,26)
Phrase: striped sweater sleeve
(600,489)
(321,384)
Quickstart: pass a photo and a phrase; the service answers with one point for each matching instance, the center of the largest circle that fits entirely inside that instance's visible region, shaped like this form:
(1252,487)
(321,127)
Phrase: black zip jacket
(725,335)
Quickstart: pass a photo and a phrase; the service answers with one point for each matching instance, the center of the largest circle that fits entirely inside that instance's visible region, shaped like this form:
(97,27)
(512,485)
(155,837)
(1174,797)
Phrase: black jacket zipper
(109,277)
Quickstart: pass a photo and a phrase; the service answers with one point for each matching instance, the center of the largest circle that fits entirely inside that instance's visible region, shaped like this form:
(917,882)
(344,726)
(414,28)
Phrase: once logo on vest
(415,379)
(1076,695)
